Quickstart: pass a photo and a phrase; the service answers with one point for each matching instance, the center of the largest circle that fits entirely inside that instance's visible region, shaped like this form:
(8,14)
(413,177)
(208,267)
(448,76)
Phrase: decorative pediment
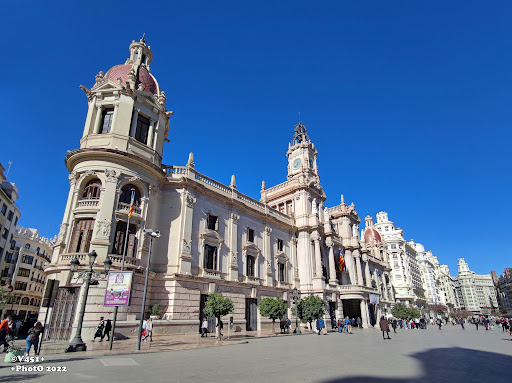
(211,237)
(281,256)
(107,86)
(251,249)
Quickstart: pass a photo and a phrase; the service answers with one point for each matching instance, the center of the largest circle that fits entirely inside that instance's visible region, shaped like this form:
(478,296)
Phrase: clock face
(297,163)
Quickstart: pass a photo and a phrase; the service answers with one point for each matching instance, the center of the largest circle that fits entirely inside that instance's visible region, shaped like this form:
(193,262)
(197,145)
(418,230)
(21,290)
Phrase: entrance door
(211,321)
(332,312)
(63,314)
(352,308)
(251,314)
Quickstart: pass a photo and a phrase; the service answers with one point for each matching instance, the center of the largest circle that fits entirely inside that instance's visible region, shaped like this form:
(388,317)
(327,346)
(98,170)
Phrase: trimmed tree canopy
(311,308)
(217,305)
(273,308)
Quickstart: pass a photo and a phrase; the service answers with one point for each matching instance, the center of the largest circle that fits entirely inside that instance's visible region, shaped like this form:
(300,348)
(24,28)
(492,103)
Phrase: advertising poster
(119,288)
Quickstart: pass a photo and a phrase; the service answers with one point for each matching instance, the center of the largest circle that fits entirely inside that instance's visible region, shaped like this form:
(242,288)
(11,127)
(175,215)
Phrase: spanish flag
(131,205)
(341,262)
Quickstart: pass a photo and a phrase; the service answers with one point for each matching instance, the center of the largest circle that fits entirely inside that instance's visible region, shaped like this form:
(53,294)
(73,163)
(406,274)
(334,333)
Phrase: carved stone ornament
(234,217)
(99,77)
(72,178)
(112,175)
(190,200)
(153,189)
(134,179)
(187,246)
(161,98)
(103,228)
(141,87)
(268,230)
(63,231)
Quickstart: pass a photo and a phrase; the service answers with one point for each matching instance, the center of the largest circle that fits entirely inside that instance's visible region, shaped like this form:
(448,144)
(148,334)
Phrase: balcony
(215,274)
(125,208)
(253,280)
(88,204)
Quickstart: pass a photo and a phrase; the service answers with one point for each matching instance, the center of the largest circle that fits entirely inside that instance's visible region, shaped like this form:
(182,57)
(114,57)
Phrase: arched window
(27,246)
(24,301)
(32,302)
(126,194)
(37,250)
(92,190)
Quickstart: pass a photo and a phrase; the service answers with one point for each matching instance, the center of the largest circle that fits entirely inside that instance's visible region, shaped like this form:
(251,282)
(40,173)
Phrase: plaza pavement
(448,355)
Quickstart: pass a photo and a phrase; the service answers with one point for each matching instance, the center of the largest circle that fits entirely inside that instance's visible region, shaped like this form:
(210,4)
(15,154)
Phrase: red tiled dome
(371,235)
(144,77)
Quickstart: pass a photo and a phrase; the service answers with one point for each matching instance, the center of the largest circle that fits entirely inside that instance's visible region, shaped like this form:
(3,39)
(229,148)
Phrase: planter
(9,355)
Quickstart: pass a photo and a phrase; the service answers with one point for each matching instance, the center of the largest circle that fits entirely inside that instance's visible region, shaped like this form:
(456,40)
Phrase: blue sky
(408,103)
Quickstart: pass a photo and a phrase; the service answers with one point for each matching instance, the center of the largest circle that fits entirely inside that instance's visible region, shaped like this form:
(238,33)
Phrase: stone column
(267,256)
(350,266)
(185,254)
(385,287)
(97,121)
(318,258)
(364,313)
(357,258)
(293,250)
(332,266)
(151,132)
(114,117)
(233,254)
(367,271)
(134,122)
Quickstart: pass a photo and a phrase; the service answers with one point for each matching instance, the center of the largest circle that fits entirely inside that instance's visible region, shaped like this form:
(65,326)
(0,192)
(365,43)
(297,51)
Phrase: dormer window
(107,117)
(250,235)
(142,129)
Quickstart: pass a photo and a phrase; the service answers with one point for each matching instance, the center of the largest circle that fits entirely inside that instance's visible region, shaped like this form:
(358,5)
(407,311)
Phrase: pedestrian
(18,327)
(394,325)
(33,337)
(486,324)
(106,331)
(384,327)
(4,329)
(287,325)
(320,324)
(476,324)
(400,323)
(220,326)
(204,328)
(349,325)
(144,325)
(99,330)
(439,323)
(359,322)
(462,323)
(149,330)
(340,325)
(281,325)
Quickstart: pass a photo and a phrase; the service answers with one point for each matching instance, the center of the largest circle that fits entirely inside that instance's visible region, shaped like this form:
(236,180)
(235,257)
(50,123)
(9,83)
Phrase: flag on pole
(341,262)
(131,205)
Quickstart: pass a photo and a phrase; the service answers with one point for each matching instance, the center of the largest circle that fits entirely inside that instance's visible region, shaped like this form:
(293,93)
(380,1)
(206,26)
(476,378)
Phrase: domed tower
(119,159)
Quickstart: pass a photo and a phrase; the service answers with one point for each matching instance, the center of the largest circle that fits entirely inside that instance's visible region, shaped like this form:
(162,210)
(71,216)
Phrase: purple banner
(119,287)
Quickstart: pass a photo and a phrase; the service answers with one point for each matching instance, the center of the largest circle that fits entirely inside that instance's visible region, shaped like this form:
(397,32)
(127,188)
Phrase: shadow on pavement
(19,377)
(454,365)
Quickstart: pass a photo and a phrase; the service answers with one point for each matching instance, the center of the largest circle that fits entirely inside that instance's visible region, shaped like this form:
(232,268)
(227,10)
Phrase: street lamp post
(295,295)
(152,234)
(77,344)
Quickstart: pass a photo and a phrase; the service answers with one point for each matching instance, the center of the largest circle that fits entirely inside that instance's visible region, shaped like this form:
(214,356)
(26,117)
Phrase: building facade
(503,286)
(475,292)
(213,237)
(30,253)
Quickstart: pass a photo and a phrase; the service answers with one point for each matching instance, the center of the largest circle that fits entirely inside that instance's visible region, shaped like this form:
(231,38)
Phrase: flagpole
(126,239)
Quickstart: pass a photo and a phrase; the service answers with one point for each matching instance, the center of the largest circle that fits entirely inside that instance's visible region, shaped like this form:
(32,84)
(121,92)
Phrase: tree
(5,296)
(461,314)
(400,311)
(414,313)
(438,309)
(311,308)
(218,306)
(273,308)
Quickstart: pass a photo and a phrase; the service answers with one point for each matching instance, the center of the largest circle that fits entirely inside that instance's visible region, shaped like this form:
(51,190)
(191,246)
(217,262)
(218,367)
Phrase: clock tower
(301,154)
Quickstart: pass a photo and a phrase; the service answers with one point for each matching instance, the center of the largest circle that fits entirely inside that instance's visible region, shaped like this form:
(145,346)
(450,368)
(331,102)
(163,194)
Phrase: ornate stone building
(213,237)
(475,292)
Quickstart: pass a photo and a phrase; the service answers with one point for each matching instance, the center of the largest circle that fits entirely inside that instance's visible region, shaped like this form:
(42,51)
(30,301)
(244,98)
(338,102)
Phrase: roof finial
(342,199)
(143,39)
(263,187)
(190,162)
(233,182)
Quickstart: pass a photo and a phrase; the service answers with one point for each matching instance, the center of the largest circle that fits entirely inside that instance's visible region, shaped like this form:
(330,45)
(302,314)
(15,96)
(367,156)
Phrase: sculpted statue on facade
(103,228)
(112,175)
(326,215)
(314,207)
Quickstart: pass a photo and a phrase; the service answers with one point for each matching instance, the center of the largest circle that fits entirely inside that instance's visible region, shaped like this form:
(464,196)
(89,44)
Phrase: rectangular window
(15,221)
(28,259)
(4,209)
(5,233)
(250,265)
(82,234)
(142,129)
(1,252)
(211,222)
(280,245)
(281,207)
(282,276)
(20,286)
(5,272)
(23,272)
(106,124)
(250,235)
(8,257)
(289,207)
(210,257)
(9,215)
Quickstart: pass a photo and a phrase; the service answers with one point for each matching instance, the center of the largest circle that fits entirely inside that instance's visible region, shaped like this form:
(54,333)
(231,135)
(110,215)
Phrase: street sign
(10,288)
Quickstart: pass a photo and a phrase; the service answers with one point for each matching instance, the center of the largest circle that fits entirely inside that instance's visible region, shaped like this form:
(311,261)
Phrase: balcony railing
(87,203)
(125,207)
(213,274)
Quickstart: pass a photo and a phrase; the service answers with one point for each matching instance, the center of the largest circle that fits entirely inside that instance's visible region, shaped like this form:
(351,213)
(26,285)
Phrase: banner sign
(374,299)
(119,288)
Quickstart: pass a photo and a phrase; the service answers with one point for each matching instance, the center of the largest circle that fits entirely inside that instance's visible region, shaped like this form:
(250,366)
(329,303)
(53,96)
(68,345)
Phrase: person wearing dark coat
(384,327)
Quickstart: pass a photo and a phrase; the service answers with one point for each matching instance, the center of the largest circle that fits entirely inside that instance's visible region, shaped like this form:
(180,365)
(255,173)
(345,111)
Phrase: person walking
(106,331)
(340,325)
(4,330)
(204,328)
(439,323)
(476,324)
(462,323)
(394,325)
(33,337)
(384,327)
(348,322)
(99,330)
(359,322)
(320,324)
(149,330)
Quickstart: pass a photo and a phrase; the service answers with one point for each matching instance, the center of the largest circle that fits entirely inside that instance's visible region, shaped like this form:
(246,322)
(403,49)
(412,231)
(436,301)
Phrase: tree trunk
(273,323)
(219,333)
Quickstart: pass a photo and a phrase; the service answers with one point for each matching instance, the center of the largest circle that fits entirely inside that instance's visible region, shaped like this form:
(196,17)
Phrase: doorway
(251,314)
(211,321)
(63,314)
